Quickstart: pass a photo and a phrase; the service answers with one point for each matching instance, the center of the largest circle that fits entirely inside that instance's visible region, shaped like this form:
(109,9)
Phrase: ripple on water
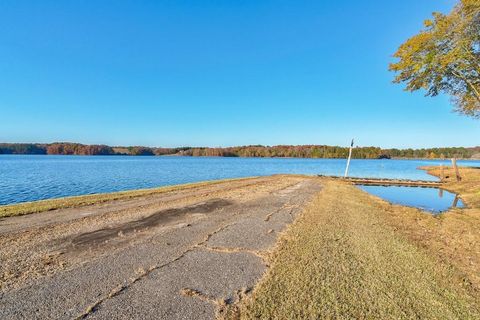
(28,178)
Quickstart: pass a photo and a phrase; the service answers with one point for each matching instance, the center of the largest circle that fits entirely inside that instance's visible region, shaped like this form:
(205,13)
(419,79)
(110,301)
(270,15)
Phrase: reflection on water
(434,200)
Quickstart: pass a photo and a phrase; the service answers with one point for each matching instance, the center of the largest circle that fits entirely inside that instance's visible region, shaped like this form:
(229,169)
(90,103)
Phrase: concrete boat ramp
(185,254)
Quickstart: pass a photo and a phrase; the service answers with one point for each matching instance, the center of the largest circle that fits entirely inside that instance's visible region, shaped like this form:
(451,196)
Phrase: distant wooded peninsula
(281,151)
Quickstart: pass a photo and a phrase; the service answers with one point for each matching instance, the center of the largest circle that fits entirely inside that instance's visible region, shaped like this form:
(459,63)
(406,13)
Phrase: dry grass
(354,256)
(79,201)
(454,237)
(468,187)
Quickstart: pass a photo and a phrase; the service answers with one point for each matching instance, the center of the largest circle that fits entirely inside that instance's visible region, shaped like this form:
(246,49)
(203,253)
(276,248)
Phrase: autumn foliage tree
(281,151)
(65,148)
(445,57)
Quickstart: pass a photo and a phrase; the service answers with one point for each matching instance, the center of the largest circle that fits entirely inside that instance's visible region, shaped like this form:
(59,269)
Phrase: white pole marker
(348,161)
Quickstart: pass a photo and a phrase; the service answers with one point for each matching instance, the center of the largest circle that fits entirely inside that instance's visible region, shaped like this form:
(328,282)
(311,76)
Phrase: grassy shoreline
(468,188)
(25,208)
(351,255)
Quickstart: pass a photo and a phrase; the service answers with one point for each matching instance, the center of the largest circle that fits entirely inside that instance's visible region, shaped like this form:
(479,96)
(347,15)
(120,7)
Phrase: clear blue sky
(216,73)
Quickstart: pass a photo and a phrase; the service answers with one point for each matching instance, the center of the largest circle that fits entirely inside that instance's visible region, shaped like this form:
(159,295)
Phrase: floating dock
(389,182)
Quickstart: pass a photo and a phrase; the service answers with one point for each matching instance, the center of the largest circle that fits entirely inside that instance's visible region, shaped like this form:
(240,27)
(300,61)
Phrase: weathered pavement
(180,255)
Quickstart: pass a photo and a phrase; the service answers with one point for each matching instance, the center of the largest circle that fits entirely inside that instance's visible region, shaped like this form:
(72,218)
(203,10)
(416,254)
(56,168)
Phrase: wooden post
(455,202)
(442,172)
(348,161)
(455,167)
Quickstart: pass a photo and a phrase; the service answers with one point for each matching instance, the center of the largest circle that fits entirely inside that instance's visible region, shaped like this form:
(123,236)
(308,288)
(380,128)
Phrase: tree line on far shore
(282,151)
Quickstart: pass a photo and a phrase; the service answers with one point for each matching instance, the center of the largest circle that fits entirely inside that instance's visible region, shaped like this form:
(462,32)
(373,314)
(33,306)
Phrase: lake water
(429,199)
(35,177)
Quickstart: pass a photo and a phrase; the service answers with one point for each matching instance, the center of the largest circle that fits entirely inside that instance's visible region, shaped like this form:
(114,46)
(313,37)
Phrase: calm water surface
(34,177)
(430,199)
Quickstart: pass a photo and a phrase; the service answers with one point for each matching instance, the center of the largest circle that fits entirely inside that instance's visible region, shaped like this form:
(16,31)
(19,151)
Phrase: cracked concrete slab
(168,258)
(222,275)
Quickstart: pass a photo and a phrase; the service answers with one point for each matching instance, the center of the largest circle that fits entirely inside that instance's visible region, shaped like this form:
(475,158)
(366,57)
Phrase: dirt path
(181,254)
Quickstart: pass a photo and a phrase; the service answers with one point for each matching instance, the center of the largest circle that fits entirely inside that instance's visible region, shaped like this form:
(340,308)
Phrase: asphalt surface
(184,254)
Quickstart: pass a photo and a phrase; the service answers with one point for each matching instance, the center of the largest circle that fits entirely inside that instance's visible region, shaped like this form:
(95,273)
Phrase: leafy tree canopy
(445,57)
